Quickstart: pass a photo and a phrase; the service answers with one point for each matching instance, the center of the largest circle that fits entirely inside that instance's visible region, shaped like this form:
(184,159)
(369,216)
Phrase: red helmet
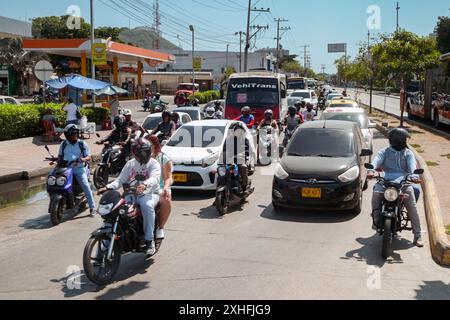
(142,150)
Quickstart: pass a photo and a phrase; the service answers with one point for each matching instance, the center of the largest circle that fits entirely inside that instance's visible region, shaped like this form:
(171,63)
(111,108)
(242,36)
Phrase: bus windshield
(296,85)
(253,92)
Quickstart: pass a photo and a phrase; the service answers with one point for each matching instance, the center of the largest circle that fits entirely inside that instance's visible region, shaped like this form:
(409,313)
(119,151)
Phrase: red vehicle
(430,99)
(259,91)
(187,90)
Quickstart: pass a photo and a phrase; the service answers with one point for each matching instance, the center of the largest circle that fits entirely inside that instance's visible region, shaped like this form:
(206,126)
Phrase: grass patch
(432,164)
(416,146)
(446,156)
(447,229)
(420,151)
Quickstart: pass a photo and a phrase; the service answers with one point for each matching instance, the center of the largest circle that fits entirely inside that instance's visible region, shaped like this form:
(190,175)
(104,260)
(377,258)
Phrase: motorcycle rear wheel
(90,262)
(387,239)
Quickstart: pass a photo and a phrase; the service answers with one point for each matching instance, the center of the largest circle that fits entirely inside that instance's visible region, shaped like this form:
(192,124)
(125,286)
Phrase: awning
(110,91)
(78,82)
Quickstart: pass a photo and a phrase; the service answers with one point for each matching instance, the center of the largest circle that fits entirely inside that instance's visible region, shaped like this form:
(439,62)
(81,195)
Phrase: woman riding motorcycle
(397,161)
(268,121)
(147,196)
(167,127)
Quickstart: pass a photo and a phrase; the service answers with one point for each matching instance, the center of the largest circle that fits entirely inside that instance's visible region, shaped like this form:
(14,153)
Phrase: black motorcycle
(64,190)
(229,188)
(394,216)
(147,104)
(321,104)
(111,165)
(121,233)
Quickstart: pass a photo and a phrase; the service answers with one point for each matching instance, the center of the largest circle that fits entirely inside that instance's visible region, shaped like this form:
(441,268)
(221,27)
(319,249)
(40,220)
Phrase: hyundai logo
(312,181)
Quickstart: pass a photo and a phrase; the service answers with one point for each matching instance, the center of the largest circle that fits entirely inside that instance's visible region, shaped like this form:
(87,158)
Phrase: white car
(8,100)
(196,159)
(356,115)
(152,121)
(309,96)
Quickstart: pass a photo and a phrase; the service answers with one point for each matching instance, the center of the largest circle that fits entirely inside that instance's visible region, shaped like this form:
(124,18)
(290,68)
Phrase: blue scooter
(64,190)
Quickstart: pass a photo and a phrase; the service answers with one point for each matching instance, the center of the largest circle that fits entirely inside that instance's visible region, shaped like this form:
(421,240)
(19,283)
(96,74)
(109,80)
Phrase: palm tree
(22,62)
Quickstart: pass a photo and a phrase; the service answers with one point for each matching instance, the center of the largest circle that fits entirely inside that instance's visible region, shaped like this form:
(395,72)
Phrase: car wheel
(276,208)
(358,209)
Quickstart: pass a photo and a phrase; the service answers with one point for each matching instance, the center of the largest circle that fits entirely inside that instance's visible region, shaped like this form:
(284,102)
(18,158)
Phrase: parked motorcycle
(229,188)
(394,216)
(63,189)
(111,164)
(121,233)
(268,138)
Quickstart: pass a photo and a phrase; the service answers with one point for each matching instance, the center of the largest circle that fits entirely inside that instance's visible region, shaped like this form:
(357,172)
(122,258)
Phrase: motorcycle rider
(167,127)
(309,114)
(76,153)
(166,182)
(147,196)
(181,100)
(246,117)
(175,117)
(397,161)
(210,113)
(121,135)
(218,106)
(195,102)
(268,121)
(136,129)
(290,123)
(157,101)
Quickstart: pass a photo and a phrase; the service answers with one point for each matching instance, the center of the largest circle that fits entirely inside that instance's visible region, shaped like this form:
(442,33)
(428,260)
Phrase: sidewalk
(26,156)
(435,150)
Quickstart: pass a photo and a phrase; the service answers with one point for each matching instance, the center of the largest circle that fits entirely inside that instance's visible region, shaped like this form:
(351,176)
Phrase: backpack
(80,144)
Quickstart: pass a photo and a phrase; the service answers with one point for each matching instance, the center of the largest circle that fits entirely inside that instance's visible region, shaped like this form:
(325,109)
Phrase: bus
(296,83)
(430,99)
(259,91)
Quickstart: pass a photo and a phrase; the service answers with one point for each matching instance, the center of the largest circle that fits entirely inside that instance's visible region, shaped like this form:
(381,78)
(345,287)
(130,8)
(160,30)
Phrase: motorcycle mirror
(98,135)
(369,166)
(419,171)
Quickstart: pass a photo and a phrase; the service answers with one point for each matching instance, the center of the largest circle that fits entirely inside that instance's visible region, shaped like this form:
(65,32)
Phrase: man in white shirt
(309,114)
(71,110)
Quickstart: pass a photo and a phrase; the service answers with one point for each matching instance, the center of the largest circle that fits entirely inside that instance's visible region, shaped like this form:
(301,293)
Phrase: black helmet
(166,113)
(142,150)
(70,130)
(398,139)
(175,116)
(119,121)
(292,110)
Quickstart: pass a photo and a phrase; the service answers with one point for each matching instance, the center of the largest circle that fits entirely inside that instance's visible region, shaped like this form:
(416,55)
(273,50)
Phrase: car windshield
(296,85)
(305,95)
(186,87)
(151,123)
(254,92)
(358,118)
(332,143)
(198,137)
(192,113)
(343,105)
(332,96)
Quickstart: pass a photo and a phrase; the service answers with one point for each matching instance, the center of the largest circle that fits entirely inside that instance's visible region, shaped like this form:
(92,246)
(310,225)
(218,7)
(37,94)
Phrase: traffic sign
(43,70)
(337,47)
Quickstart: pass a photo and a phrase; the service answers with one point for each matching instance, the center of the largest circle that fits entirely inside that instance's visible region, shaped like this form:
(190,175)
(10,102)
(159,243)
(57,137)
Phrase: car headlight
(280,173)
(51,181)
(222,171)
(105,209)
(349,175)
(61,181)
(391,194)
(209,161)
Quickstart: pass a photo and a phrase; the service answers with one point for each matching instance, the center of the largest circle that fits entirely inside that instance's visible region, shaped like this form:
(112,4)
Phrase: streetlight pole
(247,38)
(92,51)
(191,27)
(226,63)
(398,9)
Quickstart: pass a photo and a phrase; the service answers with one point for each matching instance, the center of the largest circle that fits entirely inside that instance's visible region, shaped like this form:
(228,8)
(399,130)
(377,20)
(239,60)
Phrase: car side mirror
(366,153)
(369,166)
(419,171)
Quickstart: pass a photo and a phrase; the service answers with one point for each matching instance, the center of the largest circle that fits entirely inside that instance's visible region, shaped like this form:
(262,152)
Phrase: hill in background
(144,37)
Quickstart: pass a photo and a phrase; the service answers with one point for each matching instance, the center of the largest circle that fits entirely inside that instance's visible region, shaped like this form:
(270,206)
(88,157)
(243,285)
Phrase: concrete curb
(439,241)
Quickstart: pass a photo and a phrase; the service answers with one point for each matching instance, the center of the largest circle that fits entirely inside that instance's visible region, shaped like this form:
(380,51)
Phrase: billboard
(198,64)
(337,47)
(99,54)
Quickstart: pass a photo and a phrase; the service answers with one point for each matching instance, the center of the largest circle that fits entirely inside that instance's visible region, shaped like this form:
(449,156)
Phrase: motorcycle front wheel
(387,239)
(96,267)
(221,203)
(57,208)
(101,177)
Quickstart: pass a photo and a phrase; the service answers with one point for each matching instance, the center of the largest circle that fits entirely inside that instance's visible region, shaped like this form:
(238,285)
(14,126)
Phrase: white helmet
(210,112)
(127,112)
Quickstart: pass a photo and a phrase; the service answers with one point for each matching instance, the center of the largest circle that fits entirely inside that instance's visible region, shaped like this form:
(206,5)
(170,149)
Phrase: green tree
(292,66)
(22,62)
(443,34)
(403,55)
(106,32)
(54,27)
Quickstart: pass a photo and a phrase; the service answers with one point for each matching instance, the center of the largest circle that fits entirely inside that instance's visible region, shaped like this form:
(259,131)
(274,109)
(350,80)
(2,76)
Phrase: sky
(313,22)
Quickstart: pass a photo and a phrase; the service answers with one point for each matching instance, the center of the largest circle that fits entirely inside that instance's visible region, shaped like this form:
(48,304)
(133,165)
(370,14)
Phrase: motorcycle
(121,233)
(288,133)
(321,104)
(394,216)
(268,138)
(63,189)
(158,106)
(111,164)
(229,189)
(147,104)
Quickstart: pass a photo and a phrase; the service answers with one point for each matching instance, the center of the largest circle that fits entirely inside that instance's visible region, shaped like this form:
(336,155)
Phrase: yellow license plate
(180,177)
(313,193)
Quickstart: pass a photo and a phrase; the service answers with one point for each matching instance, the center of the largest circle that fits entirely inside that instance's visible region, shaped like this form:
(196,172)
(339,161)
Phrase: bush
(206,96)
(25,120)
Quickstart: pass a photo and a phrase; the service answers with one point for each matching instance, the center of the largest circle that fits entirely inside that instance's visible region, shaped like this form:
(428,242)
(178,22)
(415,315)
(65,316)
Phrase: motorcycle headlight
(350,175)
(61,181)
(280,173)
(105,209)
(51,181)
(391,195)
(222,171)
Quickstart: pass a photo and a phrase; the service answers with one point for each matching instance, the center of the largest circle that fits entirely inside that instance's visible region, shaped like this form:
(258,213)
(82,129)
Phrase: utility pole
(248,37)
(323,71)
(240,33)
(226,63)
(92,51)
(369,55)
(305,65)
(157,24)
(398,9)
(191,27)
(278,38)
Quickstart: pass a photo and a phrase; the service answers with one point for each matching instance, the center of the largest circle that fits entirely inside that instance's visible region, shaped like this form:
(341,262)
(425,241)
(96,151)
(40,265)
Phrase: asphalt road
(378,101)
(248,254)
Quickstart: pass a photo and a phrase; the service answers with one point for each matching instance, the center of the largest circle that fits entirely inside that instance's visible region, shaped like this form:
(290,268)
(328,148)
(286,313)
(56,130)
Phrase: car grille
(313,181)
(193,180)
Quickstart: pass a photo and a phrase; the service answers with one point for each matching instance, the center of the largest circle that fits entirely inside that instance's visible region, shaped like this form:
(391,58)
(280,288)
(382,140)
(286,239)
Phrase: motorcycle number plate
(312,193)
(180,177)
